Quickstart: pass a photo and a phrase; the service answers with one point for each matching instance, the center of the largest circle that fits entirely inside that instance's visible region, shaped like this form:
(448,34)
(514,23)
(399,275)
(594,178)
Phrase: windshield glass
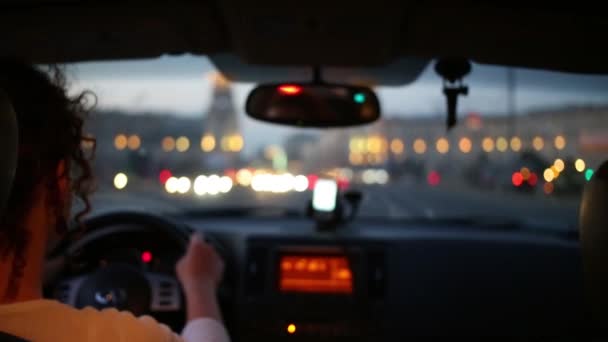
(172,135)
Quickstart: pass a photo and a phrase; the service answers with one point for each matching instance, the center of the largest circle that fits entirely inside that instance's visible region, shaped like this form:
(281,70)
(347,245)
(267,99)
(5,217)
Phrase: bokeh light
(419,146)
(168,144)
(487,144)
(548,188)
(200,185)
(182,144)
(134,142)
(515,144)
(525,173)
(120,142)
(538,143)
(548,175)
(559,165)
(300,183)
(465,145)
(183,185)
(356,158)
(517,179)
(502,144)
(120,181)
(244,177)
(560,142)
(171,185)
(208,143)
(442,145)
(589,174)
(580,165)
(397,146)
(225,184)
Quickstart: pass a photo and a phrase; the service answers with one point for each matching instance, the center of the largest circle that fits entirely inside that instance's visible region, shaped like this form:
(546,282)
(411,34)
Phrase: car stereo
(314,273)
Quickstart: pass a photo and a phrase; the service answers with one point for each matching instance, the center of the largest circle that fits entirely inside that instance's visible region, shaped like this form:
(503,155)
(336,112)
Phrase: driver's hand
(201,268)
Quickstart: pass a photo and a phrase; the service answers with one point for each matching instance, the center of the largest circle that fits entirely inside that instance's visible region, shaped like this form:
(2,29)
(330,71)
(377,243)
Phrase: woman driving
(52,167)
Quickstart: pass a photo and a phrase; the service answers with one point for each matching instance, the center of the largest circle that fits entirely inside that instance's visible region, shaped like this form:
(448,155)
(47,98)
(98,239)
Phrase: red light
(231,173)
(146,256)
(343,184)
(312,181)
(434,178)
(533,179)
(290,89)
(517,178)
(164,176)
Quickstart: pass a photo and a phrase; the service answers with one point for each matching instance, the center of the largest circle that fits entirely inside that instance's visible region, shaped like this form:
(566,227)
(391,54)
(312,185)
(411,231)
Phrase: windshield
(172,135)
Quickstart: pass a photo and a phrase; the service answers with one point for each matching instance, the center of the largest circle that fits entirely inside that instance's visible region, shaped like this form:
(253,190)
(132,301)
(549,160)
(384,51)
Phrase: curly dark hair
(50,131)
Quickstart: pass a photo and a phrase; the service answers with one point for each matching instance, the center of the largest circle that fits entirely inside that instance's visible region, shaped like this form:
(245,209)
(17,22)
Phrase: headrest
(8,148)
(593,226)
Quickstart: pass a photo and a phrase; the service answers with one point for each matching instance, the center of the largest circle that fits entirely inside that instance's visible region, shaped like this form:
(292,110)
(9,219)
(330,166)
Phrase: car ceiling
(384,41)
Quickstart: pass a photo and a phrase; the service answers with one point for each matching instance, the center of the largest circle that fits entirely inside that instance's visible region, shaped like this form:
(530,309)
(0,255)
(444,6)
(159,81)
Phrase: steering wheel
(123,286)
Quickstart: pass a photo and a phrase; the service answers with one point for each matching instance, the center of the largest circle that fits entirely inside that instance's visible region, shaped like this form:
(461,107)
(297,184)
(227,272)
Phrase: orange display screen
(315,274)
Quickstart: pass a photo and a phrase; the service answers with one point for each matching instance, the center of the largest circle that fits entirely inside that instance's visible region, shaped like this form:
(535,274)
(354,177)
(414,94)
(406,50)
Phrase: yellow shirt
(49,320)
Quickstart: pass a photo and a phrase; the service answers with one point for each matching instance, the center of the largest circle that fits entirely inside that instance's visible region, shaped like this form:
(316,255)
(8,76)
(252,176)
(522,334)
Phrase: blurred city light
(355,158)
(207,143)
(244,177)
(548,175)
(579,165)
(312,181)
(376,144)
(172,185)
(357,144)
(555,171)
(200,185)
(548,188)
(442,145)
(120,181)
(397,146)
(134,142)
(213,185)
(515,144)
(538,143)
(588,174)
(559,165)
(120,142)
(487,144)
(501,144)
(381,176)
(225,143)
(517,179)
(419,146)
(300,183)
(434,178)
(168,144)
(235,143)
(465,145)
(532,179)
(182,144)
(560,142)
(164,176)
(183,185)
(368,176)
(525,173)
(225,184)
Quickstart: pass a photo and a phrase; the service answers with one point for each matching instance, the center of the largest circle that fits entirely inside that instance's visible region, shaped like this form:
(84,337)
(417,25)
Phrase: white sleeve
(205,330)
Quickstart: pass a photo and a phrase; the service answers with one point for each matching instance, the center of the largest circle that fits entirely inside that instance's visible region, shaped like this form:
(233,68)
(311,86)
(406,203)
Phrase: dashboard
(374,279)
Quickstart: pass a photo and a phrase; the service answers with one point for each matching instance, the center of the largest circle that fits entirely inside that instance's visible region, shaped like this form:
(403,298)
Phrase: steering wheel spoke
(67,290)
(165,292)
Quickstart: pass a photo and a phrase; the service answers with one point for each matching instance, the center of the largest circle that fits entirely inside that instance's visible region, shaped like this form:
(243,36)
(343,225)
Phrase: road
(398,201)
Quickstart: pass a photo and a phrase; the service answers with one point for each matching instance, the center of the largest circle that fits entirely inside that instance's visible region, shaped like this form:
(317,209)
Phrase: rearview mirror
(313,105)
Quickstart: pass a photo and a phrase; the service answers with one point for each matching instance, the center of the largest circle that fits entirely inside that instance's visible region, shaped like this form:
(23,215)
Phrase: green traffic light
(588,174)
(359,97)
